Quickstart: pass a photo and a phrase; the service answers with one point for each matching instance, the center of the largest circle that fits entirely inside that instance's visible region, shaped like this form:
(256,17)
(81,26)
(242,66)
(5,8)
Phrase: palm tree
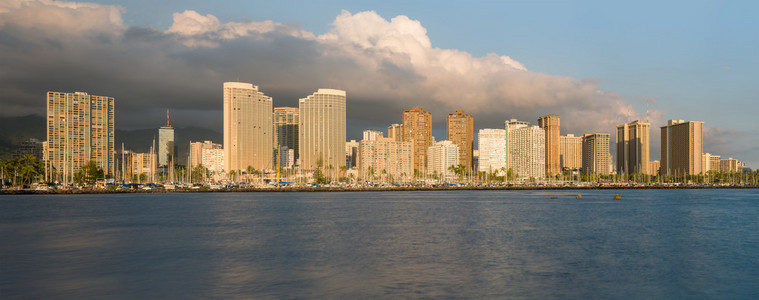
(343,171)
(250,171)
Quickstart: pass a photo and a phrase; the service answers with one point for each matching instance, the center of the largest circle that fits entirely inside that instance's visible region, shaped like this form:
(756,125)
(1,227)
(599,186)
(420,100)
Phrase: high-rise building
(526,149)
(322,130)
(286,128)
(632,147)
(351,154)
(514,124)
(526,146)
(681,147)
(493,151)
(395,132)
(166,147)
(31,147)
(384,158)
(596,158)
(79,129)
(551,125)
(196,152)
(213,159)
(372,135)
(730,165)
(461,132)
(710,162)
(570,152)
(441,156)
(142,168)
(248,138)
(417,129)
(653,167)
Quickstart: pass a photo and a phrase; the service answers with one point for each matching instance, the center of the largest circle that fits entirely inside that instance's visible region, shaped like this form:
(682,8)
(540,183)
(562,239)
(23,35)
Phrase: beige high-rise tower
(247,128)
(79,129)
(681,147)
(596,158)
(322,130)
(461,132)
(417,129)
(395,132)
(570,152)
(632,147)
(551,125)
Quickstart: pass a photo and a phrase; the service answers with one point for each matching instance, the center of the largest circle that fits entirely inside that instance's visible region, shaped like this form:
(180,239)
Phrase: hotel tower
(681,147)
(632,148)
(322,130)
(461,132)
(551,126)
(247,127)
(417,129)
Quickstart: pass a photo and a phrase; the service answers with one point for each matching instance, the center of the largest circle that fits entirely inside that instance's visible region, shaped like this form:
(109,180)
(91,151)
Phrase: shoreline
(364,189)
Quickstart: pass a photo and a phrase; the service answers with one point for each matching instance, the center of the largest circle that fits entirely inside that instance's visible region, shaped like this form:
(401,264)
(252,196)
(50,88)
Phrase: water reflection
(459,244)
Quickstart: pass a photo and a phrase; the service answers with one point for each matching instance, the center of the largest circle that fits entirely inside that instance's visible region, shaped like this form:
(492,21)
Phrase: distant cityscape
(264,144)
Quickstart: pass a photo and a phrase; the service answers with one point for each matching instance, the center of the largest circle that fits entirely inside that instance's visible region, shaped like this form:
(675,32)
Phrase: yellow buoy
(553,197)
(617,197)
(579,196)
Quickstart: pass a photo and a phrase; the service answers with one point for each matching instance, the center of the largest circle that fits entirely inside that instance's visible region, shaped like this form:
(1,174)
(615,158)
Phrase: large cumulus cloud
(386,66)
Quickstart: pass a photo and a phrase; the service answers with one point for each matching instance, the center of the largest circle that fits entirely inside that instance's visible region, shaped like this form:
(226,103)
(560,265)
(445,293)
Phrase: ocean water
(652,244)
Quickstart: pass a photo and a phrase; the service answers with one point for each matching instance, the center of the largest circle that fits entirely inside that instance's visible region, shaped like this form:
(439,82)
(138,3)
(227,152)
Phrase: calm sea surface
(661,244)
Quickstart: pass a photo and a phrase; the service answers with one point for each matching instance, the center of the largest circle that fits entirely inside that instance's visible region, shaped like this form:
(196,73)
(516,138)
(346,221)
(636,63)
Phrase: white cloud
(383,64)
(196,30)
(57,16)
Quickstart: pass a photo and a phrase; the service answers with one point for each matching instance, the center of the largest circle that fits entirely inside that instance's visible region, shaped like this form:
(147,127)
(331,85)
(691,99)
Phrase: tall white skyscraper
(440,157)
(248,138)
(493,150)
(322,130)
(526,149)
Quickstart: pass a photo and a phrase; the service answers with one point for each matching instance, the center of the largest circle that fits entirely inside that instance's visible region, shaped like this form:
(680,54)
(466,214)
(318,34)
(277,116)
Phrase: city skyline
(178,53)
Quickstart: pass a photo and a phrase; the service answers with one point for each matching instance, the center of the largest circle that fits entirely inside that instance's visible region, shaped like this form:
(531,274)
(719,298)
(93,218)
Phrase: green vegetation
(21,170)
(89,174)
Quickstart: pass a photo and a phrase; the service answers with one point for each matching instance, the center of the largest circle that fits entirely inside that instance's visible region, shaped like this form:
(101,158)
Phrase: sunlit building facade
(570,152)
(596,158)
(632,148)
(80,128)
(384,158)
(551,124)
(681,148)
(417,129)
(526,149)
(248,138)
(460,127)
(322,130)
(441,157)
(493,151)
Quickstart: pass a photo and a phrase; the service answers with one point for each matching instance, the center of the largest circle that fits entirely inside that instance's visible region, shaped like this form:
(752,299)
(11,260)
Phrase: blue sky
(696,60)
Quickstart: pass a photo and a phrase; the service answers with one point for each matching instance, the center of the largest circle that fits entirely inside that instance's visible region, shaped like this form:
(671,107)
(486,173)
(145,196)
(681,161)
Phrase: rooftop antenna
(167,118)
(648,100)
